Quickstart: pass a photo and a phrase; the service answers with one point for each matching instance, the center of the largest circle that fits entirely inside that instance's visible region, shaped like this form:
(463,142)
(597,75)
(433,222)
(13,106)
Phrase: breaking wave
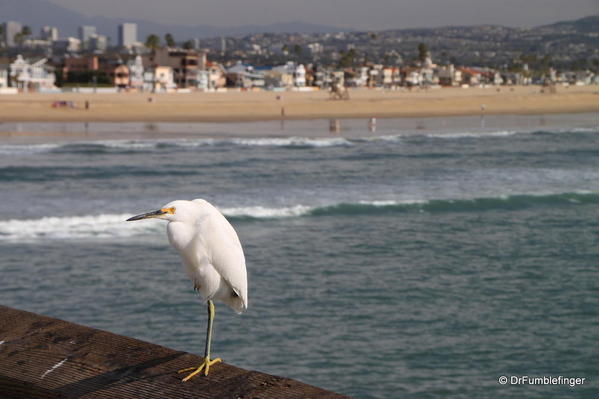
(141,145)
(114,225)
(101,146)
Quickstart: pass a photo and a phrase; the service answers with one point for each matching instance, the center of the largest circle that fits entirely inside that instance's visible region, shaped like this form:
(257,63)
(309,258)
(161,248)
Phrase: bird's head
(174,211)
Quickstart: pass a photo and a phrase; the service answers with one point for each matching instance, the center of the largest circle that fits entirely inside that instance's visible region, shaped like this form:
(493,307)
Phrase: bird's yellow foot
(204,366)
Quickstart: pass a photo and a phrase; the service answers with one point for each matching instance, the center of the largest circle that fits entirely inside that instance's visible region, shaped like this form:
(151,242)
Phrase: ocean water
(423,260)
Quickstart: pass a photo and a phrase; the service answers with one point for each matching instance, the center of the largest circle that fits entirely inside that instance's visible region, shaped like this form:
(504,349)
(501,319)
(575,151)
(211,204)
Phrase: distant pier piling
(42,357)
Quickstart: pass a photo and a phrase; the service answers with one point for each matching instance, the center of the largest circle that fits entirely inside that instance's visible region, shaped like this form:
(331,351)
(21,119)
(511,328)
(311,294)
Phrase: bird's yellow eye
(170,211)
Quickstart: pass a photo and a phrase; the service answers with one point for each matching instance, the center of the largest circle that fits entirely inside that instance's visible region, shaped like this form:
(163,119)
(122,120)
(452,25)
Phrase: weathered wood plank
(42,357)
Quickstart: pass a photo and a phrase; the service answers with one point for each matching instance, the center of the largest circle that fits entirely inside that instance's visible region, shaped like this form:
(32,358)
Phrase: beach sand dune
(265,105)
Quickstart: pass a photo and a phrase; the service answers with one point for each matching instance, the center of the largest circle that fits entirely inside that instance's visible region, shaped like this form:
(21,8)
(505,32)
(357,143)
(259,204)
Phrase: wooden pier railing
(42,357)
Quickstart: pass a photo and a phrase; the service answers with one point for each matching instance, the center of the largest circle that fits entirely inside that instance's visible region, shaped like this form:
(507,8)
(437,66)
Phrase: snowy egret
(212,257)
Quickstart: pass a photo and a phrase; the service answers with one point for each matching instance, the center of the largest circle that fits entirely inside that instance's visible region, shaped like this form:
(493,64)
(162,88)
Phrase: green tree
(153,42)
(422,52)
(297,49)
(188,45)
(170,41)
(22,35)
(347,59)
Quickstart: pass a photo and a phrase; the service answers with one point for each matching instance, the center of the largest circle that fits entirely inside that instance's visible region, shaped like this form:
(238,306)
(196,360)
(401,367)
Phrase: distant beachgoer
(372,125)
(86,105)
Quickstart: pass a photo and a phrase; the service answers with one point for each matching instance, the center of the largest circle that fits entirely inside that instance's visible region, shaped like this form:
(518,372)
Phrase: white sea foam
(141,144)
(458,135)
(243,142)
(124,144)
(24,149)
(263,212)
(115,225)
(291,142)
(391,202)
(88,226)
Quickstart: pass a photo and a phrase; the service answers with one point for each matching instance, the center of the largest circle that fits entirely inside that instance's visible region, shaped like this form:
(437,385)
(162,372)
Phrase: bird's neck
(180,235)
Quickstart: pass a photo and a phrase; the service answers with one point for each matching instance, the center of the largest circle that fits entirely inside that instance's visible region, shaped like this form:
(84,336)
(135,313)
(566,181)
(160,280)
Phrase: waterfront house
(3,76)
(217,76)
(244,76)
(448,75)
(80,64)
(31,76)
(184,63)
(163,79)
(136,73)
(121,76)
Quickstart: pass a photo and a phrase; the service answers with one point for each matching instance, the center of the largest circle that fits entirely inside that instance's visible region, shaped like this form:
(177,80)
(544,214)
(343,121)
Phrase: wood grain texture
(42,357)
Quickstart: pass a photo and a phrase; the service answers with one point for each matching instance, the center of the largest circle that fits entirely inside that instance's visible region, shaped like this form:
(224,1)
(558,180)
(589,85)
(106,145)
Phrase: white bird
(212,257)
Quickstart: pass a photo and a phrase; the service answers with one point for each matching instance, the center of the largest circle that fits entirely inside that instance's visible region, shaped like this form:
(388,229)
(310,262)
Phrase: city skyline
(348,14)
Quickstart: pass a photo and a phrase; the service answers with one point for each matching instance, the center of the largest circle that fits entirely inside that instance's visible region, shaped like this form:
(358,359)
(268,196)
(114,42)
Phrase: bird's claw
(204,366)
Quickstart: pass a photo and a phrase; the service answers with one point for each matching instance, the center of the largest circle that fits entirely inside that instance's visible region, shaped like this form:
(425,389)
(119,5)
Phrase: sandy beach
(252,106)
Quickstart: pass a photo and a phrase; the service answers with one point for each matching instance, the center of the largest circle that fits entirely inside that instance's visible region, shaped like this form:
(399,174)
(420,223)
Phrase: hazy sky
(359,14)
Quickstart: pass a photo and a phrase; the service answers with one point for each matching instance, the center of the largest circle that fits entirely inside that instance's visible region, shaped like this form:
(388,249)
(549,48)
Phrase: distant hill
(67,22)
(585,25)
(37,13)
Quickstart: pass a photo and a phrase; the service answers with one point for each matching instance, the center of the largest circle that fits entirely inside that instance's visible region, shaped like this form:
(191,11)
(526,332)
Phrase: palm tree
(153,42)
(170,41)
(422,52)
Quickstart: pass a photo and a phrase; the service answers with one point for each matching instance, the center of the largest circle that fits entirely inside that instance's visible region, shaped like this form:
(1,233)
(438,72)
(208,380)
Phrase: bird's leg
(205,366)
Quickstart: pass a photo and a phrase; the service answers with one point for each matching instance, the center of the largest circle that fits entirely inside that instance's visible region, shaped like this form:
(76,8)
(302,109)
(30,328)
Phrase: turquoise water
(419,261)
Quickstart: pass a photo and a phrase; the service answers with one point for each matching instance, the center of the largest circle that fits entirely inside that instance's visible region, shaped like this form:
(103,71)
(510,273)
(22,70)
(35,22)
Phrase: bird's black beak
(148,215)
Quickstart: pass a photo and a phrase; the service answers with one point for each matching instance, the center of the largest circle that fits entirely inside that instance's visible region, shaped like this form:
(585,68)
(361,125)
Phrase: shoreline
(16,133)
(268,106)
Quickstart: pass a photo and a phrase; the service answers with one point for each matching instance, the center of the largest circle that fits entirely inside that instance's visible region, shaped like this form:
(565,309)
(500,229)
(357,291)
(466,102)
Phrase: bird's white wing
(225,251)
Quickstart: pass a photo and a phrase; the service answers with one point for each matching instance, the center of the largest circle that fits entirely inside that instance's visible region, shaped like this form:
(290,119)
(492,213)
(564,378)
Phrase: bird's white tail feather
(236,303)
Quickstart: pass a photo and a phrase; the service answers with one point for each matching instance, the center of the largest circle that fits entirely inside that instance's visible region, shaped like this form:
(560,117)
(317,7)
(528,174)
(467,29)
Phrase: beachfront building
(136,73)
(448,75)
(277,78)
(217,75)
(163,79)
(3,77)
(471,76)
(34,76)
(324,77)
(413,77)
(121,77)
(299,76)
(387,75)
(80,64)
(287,75)
(185,64)
(203,80)
(358,77)
(244,76)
